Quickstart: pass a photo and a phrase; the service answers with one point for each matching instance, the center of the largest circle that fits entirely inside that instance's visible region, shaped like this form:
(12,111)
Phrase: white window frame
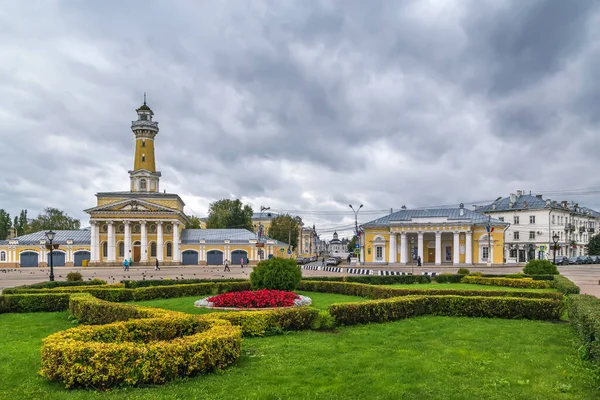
(516,220)
(516,235)
(2,256)
(532,219)
(531,235)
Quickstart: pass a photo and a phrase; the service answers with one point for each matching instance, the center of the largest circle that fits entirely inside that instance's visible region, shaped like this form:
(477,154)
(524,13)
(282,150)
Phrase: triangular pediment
(131,206)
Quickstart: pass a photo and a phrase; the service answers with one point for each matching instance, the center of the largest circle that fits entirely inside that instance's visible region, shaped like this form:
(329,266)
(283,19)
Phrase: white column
(469,248)
(111,242)
(438,248)
(94,242)
(403,252)
(455,249)
(420,246)
(128,240)
(42,255)
(144,240)
(176,255)
(362,249)
(159,242)
(393,250)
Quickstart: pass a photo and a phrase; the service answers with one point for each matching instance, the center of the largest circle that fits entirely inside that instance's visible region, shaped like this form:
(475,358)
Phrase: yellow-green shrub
(144,351)
(526,283)
(23,303)
(260,323)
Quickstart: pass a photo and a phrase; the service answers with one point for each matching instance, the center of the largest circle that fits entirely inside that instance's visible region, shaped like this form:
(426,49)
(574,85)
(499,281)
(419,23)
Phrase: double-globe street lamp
(50,236)
(555,239)
(356,229)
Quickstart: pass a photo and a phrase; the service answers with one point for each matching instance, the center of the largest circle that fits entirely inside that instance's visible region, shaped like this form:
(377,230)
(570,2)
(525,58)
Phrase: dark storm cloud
(300,106)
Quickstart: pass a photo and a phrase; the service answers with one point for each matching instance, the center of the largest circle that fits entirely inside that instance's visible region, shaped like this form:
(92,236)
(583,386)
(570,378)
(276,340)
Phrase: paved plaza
(587,277)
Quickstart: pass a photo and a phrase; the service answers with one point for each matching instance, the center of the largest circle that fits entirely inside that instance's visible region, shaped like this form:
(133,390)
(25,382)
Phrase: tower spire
(144,98)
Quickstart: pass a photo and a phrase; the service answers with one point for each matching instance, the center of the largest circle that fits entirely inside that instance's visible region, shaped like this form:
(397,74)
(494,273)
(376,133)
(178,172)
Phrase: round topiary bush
(276,274)
(463,271)
(540,267)
(74,277)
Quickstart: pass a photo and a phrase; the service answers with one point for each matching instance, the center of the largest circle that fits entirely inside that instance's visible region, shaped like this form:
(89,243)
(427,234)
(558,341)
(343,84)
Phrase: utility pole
(356,229)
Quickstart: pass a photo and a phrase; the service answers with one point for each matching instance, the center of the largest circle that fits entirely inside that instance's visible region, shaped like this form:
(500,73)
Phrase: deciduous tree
(5,224)
(229,214)
(593,246)
(55,219)
(285,228)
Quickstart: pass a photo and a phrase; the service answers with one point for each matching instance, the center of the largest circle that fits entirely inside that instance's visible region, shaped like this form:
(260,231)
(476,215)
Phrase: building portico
(438,237)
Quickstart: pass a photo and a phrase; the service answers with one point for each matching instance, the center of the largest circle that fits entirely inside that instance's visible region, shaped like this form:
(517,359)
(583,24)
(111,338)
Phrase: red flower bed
(255,299)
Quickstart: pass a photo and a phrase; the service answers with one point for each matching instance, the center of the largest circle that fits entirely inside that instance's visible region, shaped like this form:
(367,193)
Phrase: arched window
(153,249)
(105,249)
(143,143)
(143,157)
(143,184)
(169,249)
(121,249)
(2,256)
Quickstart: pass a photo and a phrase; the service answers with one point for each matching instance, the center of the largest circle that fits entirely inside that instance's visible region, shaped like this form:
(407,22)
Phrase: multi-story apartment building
(534,221)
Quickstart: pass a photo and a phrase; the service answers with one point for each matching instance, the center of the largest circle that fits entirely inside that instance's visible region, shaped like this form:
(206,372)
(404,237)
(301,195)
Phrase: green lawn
(186,304)
(463,286)
(419,358)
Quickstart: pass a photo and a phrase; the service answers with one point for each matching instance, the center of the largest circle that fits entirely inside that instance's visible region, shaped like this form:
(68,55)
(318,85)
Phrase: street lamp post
(356,229)
(50,235)
(555,240)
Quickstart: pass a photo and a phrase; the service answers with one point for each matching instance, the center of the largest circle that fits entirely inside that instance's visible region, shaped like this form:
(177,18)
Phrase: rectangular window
(513,253)
(501,219)
(516,221)
(553,219)
(516,235)
(379,252)
(143,143)
(532,235)
(532,219)
(485,252)
(3,256)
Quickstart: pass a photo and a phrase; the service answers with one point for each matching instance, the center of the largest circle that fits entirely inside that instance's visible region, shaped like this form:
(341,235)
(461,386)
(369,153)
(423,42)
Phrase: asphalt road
(587,277)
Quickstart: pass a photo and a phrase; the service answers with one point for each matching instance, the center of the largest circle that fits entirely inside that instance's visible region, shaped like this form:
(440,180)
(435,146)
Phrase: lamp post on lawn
(412,257)
(555,240)
(50,235)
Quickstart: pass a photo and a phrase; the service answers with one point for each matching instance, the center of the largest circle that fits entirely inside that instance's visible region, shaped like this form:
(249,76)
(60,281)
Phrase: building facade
(534,221)
(453,236)
(143,225)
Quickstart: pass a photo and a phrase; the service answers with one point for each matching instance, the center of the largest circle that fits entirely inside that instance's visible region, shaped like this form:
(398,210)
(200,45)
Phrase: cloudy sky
(304,106)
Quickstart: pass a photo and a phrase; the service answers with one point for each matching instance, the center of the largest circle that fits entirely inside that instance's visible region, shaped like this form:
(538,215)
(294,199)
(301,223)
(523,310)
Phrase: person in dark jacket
(156,267)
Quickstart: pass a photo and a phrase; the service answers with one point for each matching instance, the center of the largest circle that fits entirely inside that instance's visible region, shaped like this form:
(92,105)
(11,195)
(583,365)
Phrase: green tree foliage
(5,224)
(352,243)
(540,267)
(226,214)
(21,224)
(276,274)
(593,247)
(285,228)
(194,223)
(55,219)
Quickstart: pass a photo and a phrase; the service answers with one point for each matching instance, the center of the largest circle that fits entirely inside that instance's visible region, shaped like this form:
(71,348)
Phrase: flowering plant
(255,299)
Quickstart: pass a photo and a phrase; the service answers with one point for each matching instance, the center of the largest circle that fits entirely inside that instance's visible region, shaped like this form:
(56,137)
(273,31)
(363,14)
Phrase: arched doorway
(189,257)
(238,255)
(137,251)
(58,258)
(79,256)
(214,257)
(28,259)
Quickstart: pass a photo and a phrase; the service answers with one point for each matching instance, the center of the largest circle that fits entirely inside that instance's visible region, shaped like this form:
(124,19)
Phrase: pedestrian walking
(130,263)
(126,264)
(242,262)
(226,265)
(323,262)
(418,261)
(156,267)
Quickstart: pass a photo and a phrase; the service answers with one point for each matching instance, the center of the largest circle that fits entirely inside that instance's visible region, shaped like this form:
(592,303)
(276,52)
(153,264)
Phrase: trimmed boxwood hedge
(466,306)
(374,279)
(565,285)
(382,292)
(510,282)
(24,303)
(139,351)
(261,323)
(167,282)
(584,314)
(53,284)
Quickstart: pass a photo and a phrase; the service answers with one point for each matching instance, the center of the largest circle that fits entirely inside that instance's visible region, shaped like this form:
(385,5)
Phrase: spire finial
(144,98)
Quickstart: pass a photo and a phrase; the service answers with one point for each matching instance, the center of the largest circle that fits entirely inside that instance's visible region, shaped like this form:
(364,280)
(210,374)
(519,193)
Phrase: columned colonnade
(128,240)
(405,251)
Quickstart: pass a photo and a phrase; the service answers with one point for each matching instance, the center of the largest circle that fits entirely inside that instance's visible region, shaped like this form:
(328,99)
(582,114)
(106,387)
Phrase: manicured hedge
(167,282)
(374,279)
(521,275)
(465,306)
(261,323)
(565,285)
(142,351)
(584,314)
(510,282)
(382,292)
(449,278)
(24,303)
(53,284)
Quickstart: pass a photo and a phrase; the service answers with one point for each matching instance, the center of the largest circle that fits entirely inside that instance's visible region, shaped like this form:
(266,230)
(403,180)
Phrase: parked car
(300,260)
(584,259)
(562,260)
(333,261)
(574,261)
(595,259)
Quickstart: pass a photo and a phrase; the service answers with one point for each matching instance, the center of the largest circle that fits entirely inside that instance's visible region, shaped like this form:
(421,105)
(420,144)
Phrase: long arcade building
(141,224)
